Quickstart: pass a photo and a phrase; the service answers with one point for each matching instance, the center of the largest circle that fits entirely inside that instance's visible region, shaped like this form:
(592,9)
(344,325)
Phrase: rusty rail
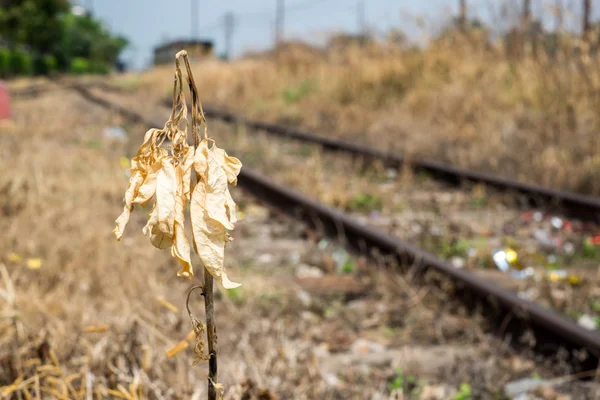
(571,204)
(574,205)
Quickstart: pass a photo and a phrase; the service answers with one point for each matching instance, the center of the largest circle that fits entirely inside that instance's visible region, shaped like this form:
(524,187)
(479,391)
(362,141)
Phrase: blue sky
(148,22)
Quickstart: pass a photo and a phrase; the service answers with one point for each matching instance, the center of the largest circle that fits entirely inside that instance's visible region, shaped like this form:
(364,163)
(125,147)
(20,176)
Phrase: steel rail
(511,316)
(571,204)
(574,205)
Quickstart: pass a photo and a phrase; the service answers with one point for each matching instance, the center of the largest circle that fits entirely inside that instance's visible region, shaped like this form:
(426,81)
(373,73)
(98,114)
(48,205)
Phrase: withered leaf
(212,213)
(181,244)
(230,165)
(160,226)
(132,189)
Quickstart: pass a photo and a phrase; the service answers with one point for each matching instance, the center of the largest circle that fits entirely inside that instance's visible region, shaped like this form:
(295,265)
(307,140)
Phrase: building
(196,49)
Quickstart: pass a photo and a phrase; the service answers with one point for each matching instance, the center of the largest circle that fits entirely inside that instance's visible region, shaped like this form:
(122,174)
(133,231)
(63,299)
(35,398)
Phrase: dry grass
(465,225)
(98,317)
(460,100)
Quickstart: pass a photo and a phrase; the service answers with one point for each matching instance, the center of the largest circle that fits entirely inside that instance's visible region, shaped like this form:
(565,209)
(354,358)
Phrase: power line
(587,11)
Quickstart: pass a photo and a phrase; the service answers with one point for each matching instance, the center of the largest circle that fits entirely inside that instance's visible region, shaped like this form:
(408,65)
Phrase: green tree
(85,37)
(32,23)
(54,38)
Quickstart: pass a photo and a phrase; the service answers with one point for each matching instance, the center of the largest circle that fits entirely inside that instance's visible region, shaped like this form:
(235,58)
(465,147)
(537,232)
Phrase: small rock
(308,271)
(294,257)
(265,258)
(115,132)
(331,379)
(416,228)
(304,297)
(522,386)
(548,393)
(587,322)
(520,365)
(559,298)
(458,262)
(436,393)
(363,346)
(556,222)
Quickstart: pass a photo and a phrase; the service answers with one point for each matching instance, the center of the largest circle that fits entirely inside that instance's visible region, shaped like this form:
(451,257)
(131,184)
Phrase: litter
(115,132)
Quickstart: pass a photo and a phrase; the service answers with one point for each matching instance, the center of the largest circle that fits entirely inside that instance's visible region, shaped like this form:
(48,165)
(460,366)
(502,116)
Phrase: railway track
(567,203)
(512,316)
(572,205)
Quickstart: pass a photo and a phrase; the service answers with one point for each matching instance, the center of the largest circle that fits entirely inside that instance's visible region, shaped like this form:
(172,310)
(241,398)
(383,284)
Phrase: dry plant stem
(207,291)
(211,334)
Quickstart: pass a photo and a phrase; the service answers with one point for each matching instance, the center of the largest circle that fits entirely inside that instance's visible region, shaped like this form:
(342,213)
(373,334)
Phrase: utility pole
(361,18)
(587,11)
(462,16)
(228,25)
(90,7)
(559,15)
(526,17)
(194,19)
(279,18)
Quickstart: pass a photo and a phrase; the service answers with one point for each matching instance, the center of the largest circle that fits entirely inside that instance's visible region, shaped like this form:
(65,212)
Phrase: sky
(147,23)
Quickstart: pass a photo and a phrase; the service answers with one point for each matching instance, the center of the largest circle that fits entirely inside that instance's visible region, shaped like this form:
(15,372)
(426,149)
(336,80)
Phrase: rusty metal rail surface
(510,315)
(571,204)
(586,208)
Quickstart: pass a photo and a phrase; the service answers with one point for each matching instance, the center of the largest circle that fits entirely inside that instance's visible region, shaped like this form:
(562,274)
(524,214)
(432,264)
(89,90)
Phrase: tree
(85,37)
(32,23)
(54,38)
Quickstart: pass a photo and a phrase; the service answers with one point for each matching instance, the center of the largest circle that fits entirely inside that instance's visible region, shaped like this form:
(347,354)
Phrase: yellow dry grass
(86,322)
(460,100)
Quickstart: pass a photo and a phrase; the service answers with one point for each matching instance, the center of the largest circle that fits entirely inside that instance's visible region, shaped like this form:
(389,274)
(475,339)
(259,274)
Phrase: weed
(365,202)
(464,392)
(589,249)
(294,95)
(408,384)
(454,248)
(398,382)
(236,295)
(348,267)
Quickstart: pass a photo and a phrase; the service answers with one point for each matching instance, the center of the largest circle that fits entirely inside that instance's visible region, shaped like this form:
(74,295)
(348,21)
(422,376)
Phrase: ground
(83,313)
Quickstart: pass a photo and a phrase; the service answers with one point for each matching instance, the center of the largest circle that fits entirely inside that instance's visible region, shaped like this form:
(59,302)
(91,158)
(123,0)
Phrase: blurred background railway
(509,88)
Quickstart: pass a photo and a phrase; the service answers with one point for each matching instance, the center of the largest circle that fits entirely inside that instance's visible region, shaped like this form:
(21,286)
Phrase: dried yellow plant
(162,170)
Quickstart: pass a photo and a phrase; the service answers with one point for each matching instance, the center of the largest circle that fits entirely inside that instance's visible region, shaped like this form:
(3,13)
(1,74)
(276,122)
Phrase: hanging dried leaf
(231,165)
(161,170)
(142,182)
(181,245)
(186,172)
(160,226)
(132,189)
(212,213)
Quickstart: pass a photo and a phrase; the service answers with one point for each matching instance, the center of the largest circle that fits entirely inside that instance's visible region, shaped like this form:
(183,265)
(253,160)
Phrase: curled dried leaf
(132,189)
(230,165)
(181,245)
(212,211)
(161,170)
(160,226)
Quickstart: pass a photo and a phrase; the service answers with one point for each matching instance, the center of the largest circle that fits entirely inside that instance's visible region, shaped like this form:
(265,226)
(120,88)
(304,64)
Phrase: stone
(308,271)
(523,386)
